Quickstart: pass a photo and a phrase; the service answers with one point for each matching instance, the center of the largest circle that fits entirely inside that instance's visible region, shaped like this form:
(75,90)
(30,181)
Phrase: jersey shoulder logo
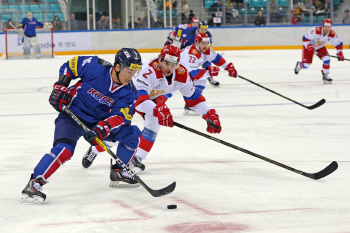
(181,70)
(126,114)
(88,60)
(73,65)
(155,66)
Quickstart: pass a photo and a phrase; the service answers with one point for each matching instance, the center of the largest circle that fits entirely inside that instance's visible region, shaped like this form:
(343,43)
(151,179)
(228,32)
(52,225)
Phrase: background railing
(133,14)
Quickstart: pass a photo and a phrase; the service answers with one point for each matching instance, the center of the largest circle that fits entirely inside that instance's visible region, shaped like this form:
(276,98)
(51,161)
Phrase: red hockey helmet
(202,37)
(170,53)
(195,20)
(327,23)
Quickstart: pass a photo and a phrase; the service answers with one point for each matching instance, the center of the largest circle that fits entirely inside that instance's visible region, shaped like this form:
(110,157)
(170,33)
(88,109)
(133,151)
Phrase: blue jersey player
(29,38)
(104,100)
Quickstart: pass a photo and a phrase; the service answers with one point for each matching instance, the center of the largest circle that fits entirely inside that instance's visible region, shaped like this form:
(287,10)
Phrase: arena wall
(152,40)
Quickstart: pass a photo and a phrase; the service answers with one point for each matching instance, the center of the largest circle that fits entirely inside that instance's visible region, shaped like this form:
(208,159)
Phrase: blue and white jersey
(96,96)
(29,26)
(188,35)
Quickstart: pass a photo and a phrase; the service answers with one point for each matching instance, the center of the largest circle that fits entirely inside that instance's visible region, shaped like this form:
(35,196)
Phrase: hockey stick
(318,104)
(325,172)
(154,193)
(330,56)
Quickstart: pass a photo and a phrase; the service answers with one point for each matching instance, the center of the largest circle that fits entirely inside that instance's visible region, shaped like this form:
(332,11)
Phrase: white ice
(219,189)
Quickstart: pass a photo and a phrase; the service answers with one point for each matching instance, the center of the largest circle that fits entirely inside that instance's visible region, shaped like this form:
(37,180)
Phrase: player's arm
(39,24)
(338,44)
(196,101)
(220,61)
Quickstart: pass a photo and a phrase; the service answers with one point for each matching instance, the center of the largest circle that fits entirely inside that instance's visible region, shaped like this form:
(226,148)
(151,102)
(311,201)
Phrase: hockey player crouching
(199,53)
(158,77)
(103,99)
(29,38)
(315,40)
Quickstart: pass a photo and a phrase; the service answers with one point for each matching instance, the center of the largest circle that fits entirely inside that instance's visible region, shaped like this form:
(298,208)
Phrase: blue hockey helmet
(203,25)
(129,58)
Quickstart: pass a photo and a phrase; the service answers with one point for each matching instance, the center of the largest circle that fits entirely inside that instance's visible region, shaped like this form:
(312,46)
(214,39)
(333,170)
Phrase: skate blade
(121,184)
(25,199)
(326,82)
(213,85)
(190,113)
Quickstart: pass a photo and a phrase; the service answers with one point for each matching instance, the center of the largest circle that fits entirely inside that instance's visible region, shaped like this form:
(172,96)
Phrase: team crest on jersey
(156,66)
(318,29)
(181,70)
(194,51)
(102,99)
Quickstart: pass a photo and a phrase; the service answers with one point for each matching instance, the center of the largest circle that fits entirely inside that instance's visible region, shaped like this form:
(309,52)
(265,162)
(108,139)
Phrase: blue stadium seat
(42,7)
(207,3)
(6,17)
(11,1)
(320,19)
(282,10)
(305,19)
(48,0)
(3,6)
(13,7)
(336,2)
(55,7)
(249,2)
(256,3)
(263,3)
(49,16)
(26,8)
(283,3)
(60,16)
(161,14)
(241,11)
(34,8)
(252,11)
(38,16)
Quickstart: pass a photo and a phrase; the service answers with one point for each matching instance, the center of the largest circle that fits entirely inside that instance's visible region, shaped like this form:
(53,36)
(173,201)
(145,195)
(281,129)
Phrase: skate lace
(126,174)
(37,186)
(91,156)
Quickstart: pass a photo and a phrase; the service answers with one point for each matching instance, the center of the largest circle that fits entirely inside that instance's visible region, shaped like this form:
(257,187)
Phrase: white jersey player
(315,40)
(194,56)
(161,76)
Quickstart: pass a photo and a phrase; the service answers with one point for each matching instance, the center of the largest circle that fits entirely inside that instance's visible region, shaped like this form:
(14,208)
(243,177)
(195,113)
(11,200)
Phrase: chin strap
(117,73)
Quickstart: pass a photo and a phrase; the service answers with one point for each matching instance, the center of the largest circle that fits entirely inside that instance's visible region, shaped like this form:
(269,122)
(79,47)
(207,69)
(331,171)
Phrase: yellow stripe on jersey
(73,65)
(126,114)
(179,33)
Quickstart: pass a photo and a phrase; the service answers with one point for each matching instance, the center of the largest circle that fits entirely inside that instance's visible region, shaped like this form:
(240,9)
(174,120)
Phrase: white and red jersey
(315,37)
(192,58)
(151,83)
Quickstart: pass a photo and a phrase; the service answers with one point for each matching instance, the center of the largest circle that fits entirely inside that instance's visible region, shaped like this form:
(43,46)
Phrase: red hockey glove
(232,72)
(103,129)
(340,56)
(311,49)
(213,71)
(213,121)
(160,100)
(60,95)
(164,115)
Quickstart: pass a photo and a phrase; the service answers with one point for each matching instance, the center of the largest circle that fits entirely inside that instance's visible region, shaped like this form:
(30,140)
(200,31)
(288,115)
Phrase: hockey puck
(172,206)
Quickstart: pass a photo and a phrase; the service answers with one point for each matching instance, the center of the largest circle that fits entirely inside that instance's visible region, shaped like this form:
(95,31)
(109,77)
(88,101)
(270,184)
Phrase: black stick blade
(325,172)
(318,104)
(163,191)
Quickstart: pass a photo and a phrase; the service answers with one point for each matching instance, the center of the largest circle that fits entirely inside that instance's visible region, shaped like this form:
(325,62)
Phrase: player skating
(315,40)
(28,36)
(158,77)
(104,101)
(192,57)
(176,33)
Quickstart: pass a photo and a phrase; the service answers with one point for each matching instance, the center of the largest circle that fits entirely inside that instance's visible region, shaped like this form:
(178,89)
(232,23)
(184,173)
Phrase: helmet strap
(117,72)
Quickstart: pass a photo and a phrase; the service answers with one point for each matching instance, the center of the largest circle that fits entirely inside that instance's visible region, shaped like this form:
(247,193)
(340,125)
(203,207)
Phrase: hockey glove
(60,95)
(232,72)
(162,112)
(103,129)
(311,49)
(213,121)
(169,41)
(340,56)
(160,100)
(213,70)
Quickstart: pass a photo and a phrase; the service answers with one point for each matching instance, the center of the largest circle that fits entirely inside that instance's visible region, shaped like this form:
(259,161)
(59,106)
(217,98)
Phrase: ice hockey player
(104,100)
(177,31)
(315,40)
(29,38)
(158,77)
(199,53)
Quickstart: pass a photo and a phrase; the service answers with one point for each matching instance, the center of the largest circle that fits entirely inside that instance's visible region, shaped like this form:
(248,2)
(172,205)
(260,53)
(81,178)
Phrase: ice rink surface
(219,189)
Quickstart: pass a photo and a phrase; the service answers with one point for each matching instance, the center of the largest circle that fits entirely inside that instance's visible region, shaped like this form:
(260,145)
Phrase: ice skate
(32,194)
(297,68)
(213,82)
(326,79)
(190,112)
(88,158)
(120,178)
(137,165)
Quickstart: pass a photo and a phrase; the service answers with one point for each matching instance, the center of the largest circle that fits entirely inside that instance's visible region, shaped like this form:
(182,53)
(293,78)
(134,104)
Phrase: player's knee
(132,139)
(63,143)
(305,65)
(326,61)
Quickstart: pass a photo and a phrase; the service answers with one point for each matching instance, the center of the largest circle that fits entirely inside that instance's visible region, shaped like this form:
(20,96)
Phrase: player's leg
(326,65)
(26,46)
(211,80)
(129,139)
(200,86)
(36,47)
(67,133)
(306,61)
